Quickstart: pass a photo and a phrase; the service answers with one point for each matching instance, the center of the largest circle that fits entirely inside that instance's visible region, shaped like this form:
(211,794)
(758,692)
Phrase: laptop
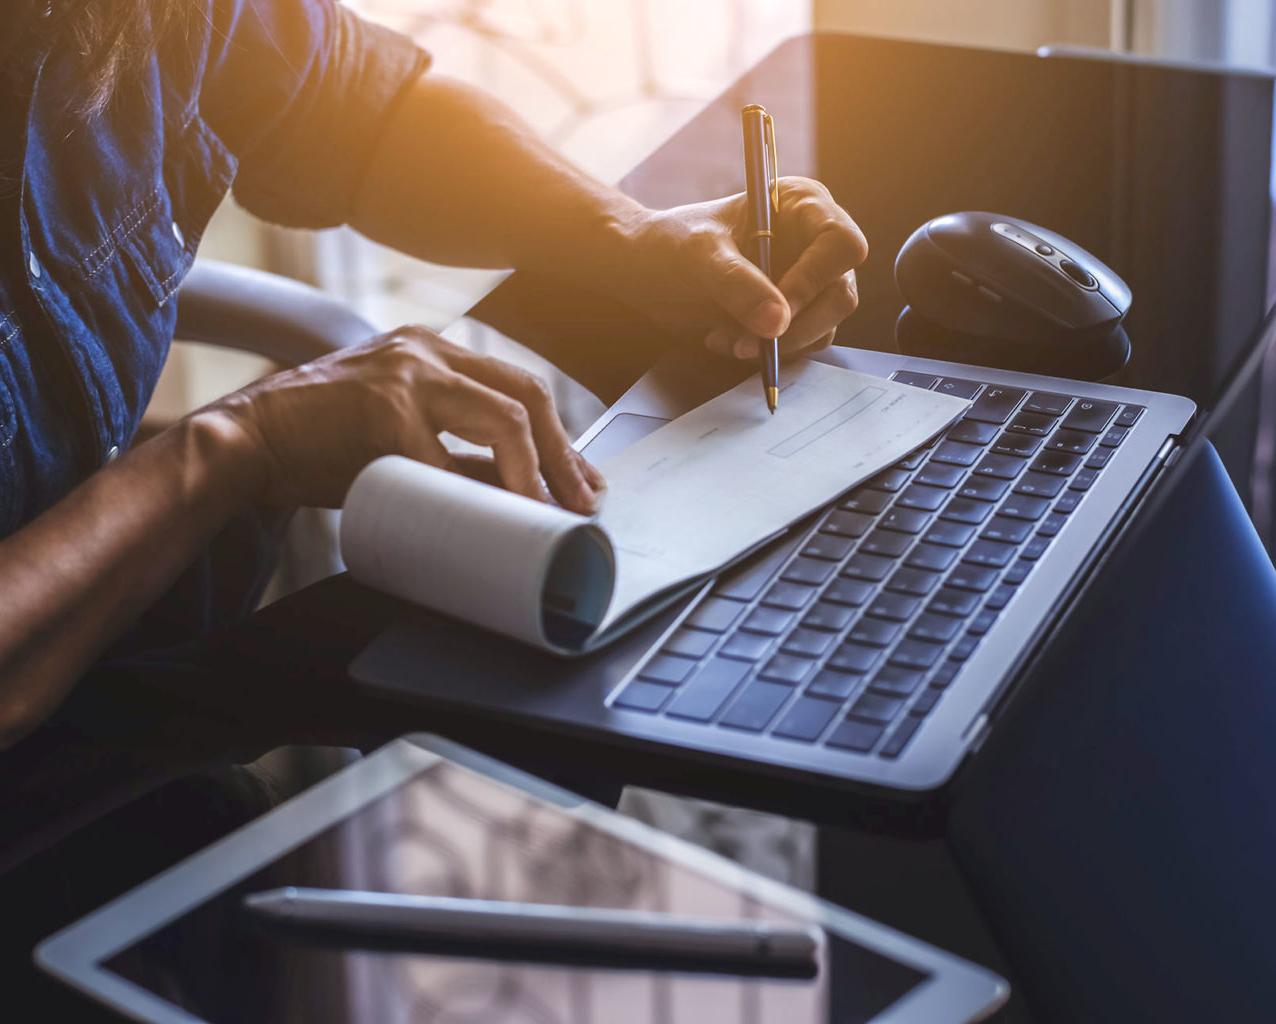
(876,645)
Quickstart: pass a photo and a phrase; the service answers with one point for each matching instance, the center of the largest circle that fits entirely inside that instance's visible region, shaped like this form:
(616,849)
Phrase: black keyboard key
(1068,502)
(897,681)
(1073,441)
(936,474)
(925,703)
(665,668)
(747,581)
(1021,446)
(937,629)
(828,616)
(945,674)
(788,596)
(746,646)
(969,431)
(1084,480)
(963,648)
(756,706)
(642,696)
(811,571)
(984,488)
(868,567)
(862,500)
(958,388)
(848,592)
(916,654)
(963,510)
(919,496)
(971,577)
(715,614)
(885,543)
(852,657)
(989,553)
(995,405)
(807,643)
(855,735)
(1003,467)
(889,480)
(1114,437)
(828,547)
(1047,403)
(982,622)
(917,582)
(873,632)
(806,719)
(847,524)
(893,607)
(953,535)
(1023,506)
(954,453)
(1055,463)
(1007,531)
(690,643)
(708,689)
(1017,573)
(1031,423)
(1051,525)
(785,668)
(917,380)
(1040,485)
(931,556)
(1090,415)
(904,732)
(1000,597)
(833,685)
(955,603)
(906,520)
(1129,415)
(1099,458)
(912,461)
(876,707)
(768,621)
(1035,548)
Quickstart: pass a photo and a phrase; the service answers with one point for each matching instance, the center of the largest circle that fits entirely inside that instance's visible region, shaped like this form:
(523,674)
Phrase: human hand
(689,267)
(315,427)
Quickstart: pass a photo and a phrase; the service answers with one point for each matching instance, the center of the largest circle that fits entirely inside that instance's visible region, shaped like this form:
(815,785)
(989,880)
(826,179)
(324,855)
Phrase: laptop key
(1099,458)
(1056,463)
(915,654)
(1006,531)
(749,579)
(1035,548)
(899,739)
(1031,423)
(917,582)
(1073,441)
(785,668)
(1084,480)
(873,632)
(828,616)
(1023,506)
(931,556)
(936,474)
(746,646)
(896,681)
(853,734)
(807,643)
(955,603)
(768,621)
(690,643)
(833,685)
(1022,446)
(952,535)
(969,431)
(1000,597)
(789,596)
(912,461)
(925,702)
(806,719)
(919,496)
(715,614)
(1051,525)
(1047,403)
(1090,415)
(847,524)
(1068,502)
(811,571)
(971,577)
(665,668)
(989,553)
(936,629)
(828,548)
(876,707)
(1003,467)
(963,648)
(853,657)
(1114,437)
(996,404)
(1129,415)
(954,453)
(907,520)
(984,488)
(643,696)
(868,567)
(886,544)
(982,622)
(958,388)
(863,500)
(889,480)
(756,706)
(893,607)
(848,592)
(1040,485)
(925,381)
(1018,572)
(964,510)
(708,689)
(945,674)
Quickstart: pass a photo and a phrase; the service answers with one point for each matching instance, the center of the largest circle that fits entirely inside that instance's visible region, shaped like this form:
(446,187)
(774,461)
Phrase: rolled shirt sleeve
(300,91)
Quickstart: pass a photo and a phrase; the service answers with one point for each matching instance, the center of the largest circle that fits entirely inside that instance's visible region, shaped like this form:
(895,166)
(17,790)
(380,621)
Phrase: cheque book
(682,504)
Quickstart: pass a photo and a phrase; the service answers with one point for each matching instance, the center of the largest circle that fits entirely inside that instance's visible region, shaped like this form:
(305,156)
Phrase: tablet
(425,816)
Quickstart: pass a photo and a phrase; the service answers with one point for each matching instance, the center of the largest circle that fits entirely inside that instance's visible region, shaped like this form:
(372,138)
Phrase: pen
(544,932)
(762,187)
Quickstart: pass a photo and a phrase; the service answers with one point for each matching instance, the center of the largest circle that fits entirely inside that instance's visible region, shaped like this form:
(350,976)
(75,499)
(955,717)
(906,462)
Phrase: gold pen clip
(768,129)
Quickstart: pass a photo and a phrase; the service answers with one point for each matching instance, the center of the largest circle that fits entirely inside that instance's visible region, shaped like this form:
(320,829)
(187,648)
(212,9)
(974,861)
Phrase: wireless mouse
(993,289)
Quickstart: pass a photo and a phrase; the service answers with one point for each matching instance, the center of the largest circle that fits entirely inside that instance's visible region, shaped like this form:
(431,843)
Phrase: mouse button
(1079,274)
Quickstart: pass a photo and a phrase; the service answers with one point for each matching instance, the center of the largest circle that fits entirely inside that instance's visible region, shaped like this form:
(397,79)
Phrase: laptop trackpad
(623,430)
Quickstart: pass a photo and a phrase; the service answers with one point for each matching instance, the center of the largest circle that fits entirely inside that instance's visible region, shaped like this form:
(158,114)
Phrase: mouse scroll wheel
(1078,274)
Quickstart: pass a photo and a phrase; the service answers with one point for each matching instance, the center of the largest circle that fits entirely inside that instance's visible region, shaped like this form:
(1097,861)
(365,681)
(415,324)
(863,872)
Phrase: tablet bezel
(954,989)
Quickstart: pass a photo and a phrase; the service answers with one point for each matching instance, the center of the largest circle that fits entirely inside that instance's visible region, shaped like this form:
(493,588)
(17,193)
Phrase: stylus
(575,934)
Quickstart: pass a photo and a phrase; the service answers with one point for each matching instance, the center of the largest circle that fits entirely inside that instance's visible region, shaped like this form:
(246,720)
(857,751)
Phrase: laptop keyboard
(849,632)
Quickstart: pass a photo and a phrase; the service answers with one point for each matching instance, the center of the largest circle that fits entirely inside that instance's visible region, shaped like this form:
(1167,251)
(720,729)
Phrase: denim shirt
(280,99)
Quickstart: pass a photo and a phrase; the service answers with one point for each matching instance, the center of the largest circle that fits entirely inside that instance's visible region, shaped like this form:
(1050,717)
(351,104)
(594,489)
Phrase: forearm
(458,178)
(73,579)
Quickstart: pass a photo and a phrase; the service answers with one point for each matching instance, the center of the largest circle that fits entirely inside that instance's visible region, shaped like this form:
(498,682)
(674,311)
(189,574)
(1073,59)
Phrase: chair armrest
(287,322)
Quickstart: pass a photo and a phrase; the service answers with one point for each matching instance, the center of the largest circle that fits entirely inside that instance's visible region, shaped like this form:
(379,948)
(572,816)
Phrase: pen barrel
(757,169)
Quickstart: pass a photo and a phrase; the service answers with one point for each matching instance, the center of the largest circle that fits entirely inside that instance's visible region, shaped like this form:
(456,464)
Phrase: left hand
(689,267)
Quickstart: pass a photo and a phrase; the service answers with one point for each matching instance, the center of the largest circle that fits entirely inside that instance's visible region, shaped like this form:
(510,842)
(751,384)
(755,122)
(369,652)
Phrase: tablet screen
(453,832)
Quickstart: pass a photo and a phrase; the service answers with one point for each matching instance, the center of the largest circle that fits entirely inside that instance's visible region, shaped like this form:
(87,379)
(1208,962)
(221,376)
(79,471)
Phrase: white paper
(692,496)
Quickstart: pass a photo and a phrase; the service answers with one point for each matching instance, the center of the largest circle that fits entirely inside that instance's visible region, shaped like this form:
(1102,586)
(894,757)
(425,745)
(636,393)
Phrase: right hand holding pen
(316,426)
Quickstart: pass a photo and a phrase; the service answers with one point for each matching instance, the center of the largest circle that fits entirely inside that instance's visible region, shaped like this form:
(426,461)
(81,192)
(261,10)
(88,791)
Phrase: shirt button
(113,453)
(34,265)
(177,233)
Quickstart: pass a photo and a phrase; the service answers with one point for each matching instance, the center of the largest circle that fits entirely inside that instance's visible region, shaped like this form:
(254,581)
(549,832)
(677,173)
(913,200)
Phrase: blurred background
(607,81)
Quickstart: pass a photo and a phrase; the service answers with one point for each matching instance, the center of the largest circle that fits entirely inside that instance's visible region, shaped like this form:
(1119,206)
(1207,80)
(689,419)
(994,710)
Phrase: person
(123,125)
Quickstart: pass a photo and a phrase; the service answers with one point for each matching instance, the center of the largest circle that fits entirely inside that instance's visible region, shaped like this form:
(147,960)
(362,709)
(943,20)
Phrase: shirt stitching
(98,259)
